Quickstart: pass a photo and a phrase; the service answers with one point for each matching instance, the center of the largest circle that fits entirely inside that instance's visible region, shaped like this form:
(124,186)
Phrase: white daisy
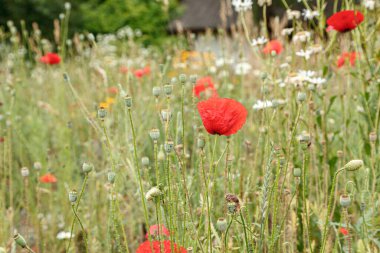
(259,41)
(309,14)
(242,5)
(242,68)
(304,53)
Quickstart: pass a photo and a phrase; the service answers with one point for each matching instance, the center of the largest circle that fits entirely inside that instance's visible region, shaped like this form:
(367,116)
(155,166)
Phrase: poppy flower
(123,69)
(153,230)
(156,245)
(347,56)
(113,90)
(50,59)
(344,231)
(142,72)
(273,46)
(222,116)
(345,21)
(204,84)
(48,178)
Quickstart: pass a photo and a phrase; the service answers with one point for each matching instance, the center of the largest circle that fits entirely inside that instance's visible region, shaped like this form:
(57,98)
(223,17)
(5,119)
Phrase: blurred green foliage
(96,16)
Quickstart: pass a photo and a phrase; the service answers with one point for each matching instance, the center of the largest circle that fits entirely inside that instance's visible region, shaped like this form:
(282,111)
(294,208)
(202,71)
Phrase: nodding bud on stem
(152,193)
(73,196)
(20,241)
(345,200)
(221,224)
(301,96)
(353,165)
(87,167)
(154,134)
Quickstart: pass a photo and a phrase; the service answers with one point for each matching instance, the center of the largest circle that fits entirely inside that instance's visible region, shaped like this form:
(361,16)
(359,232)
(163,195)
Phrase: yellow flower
(104,105)
(110,101)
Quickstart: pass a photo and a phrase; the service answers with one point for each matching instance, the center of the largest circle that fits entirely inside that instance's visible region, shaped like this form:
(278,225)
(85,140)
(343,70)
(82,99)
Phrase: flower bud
(102,113)
(231,207)
(111,176)
(372,137)
(87,167)
(152,193)
(168,89)
(145,161)
(182,78)
(345,200)
(156,91)
(297,172)
(201,142)
(353,165)
(20,241)
(193,79)
(221,224)
(154,134)
(301,96)
(161,155)
(128,101)
(73,196)
(168,146)
(166,115)
(24,172)
(37,165)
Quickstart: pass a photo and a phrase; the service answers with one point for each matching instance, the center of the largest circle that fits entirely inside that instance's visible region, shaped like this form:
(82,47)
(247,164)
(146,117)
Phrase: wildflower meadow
(260,137)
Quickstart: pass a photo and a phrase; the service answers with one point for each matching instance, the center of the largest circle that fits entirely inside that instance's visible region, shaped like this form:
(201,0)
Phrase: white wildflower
(369,4)
(309,14)
(302,36)
(242,68)
(293,14)
(304,53)
(317,80)
(242,5)
(64,235)
(259,105)
(259,41)
(287,31)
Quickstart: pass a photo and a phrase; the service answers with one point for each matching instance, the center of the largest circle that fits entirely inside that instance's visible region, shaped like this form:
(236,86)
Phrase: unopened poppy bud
(24,172)
(73,196)
(345,200)
(297,172)
(154,134)
(168,89)
(111,176)
(182,78)
(102,113)
(372,137)
(156,91)
(193,79)
(301,96)
(152,193)
(87,167)
(201,142)
(353,165)
(221,224)
(20,241)
(161,155)
(168,146)
(173,81)
(61,16)
(166,115)
(67,6)
(145,161)
(37,166)
(231,207)
(128,101)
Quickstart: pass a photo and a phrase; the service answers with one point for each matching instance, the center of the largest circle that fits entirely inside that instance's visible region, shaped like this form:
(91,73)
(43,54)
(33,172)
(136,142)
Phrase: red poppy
(50,58)
(145,247)
(204,84)
(344,231)
(113,90)
(123,69)
(273,46)
(48,178)
(153,230)
(345,21)
(222,116)
(142,72)
(350,56)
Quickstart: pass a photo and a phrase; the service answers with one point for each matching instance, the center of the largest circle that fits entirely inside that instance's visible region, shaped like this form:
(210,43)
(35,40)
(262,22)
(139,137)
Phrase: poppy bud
(339,153)
(154,134)
(221,224)
(20,241)
(67,6)
(353,165)
(189,250)
(37,166)
(102,113)
(169,146)
(111,177)
(73,196)
(161,154)
(231,207)
(156,91)
(297,172)
(168,89)
(373,137)
(301,96)
(193,79)
(145,161)
(345,200)
(173,81)
(24,172)
(152,193)
(61,16)
(182,79)
(166,115)
(87,167)
(128,101)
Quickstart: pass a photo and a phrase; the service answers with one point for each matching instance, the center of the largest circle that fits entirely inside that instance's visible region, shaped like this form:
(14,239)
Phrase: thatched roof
(199,15)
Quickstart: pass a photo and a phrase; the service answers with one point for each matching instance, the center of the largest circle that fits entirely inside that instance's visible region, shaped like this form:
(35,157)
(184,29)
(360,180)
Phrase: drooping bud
(102,113)
(182,79)
(128,101)
(354,165)
(87,167)
(168,89)
(152,193)
(156,91)
(20,241)
(168,146)
(301,96)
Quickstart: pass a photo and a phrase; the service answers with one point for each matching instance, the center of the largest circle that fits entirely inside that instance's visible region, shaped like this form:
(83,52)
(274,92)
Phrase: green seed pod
(87,167)
(156,91)
(102,113)
(37,166)
(201,142)
(154,134)
(301,96)
(182,78)
(168,146)
(24,172)
(73,195)
(128,101)
(145,161)
(20,241)
(221,225)
(193,79)
(345,201)
(297,172)
(111,176)
(231,207)
(168,89)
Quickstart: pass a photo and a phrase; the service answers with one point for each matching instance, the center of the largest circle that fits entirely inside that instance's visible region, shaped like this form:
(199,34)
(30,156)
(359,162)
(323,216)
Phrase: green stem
(81,225)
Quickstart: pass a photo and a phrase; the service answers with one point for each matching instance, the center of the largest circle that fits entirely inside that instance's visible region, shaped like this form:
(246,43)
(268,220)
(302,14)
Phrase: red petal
(344,21)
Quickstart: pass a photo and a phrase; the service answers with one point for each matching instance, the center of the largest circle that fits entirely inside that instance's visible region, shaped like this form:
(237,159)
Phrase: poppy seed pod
(182,79)
(345,201)
(166,115)
(73,196)
(102,113)
(353,165)
(156,91)
(297,172)
(232,207)
(87,167)
(168,89)
(221,224)
(189,250)
(201,142)
(154,134)
(37,166)
(152,193)
(193,79)
(373,137)
(173,81)
(24,172)
(145,161)
(128,101)
(111,176)
(301,96)
(20,241)
(168,146)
